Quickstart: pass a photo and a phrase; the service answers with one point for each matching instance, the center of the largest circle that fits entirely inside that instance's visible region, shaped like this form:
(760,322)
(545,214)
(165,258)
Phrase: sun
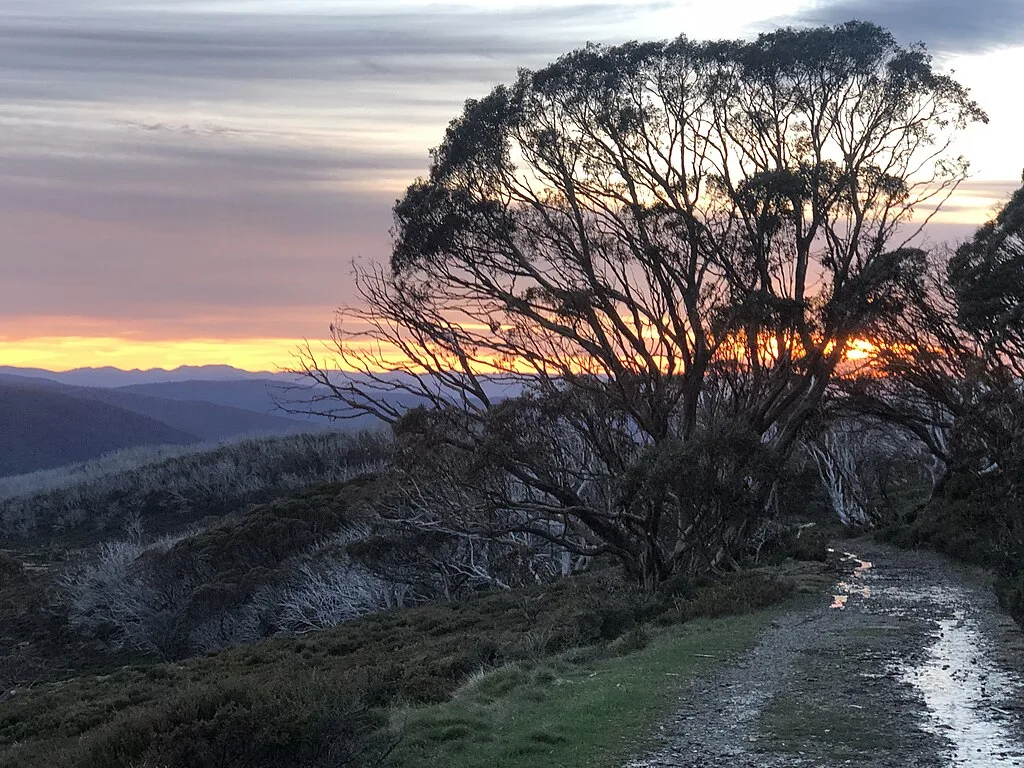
(860,349)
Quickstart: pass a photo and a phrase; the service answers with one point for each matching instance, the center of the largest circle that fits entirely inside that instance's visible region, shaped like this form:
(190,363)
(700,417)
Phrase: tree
(987,278)
(949,369)
(629,277)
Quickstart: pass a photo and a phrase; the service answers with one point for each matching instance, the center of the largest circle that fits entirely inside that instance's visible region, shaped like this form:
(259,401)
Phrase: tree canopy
(987,277)
(950,368)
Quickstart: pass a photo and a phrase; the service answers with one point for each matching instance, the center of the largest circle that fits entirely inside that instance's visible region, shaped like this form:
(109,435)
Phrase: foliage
(949,374)
(663,251)
(414,655)
(987,276)
(244,578)
(167,493)
(974,518)
(948,370)
(256,726)
(330,593)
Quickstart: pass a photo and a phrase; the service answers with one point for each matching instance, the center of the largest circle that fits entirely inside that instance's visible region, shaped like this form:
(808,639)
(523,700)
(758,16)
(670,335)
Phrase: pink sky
(189,182)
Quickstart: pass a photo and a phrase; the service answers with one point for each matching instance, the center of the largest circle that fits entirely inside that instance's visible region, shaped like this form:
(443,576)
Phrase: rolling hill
(258,395)
(108,376)
(207,420)
(198,416)
(41,428)
(46,423)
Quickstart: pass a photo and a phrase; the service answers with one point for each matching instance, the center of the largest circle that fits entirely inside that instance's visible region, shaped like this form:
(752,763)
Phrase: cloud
(265,103)
(945,26)
(108,52)
(209,164)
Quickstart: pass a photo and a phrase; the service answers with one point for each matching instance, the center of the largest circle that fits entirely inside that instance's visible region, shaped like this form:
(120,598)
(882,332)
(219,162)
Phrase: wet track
(906,666)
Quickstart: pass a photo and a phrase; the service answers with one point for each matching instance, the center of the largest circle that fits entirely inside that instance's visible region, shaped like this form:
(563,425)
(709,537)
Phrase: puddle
(963,689)
(846,589)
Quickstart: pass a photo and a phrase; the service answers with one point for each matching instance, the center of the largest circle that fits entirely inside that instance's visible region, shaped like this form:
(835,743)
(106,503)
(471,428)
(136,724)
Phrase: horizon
(174,369)
(188,184)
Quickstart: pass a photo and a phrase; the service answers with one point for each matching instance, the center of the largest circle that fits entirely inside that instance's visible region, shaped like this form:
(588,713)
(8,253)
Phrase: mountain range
(49,419)
(108,376)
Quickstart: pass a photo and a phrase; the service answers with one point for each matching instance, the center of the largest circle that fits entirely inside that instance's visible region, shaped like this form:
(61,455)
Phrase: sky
(189,181)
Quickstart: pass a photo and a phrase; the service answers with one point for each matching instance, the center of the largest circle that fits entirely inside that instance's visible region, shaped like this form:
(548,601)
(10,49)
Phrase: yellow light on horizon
(64,353)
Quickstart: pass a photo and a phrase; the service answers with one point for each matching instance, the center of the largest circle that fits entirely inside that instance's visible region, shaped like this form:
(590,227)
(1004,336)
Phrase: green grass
(566,712)
(577,652)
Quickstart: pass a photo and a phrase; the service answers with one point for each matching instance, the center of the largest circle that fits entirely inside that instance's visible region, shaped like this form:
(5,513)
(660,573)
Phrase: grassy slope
(421,656)
(172,493)
(561,714)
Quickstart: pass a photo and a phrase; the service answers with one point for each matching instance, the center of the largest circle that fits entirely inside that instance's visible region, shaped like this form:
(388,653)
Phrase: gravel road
(911,665)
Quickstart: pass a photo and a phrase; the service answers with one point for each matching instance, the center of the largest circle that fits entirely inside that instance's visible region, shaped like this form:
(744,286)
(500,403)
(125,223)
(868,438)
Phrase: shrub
(10,566)
(275,566)
(327,594)
(257,726)
(1010,591)
(976,518)
(799,542)
(171,491)
(316,698)
(636,639)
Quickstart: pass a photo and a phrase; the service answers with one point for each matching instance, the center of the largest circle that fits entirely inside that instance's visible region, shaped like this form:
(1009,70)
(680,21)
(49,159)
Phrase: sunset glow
(205,207)
(860,349)
(63,353)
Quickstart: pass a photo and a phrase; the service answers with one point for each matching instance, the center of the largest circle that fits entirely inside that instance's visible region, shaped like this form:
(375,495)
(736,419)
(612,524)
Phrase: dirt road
(911,665)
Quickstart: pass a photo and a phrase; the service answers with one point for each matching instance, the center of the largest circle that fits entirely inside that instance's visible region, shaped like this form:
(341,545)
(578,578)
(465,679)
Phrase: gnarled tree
(630,276)
(949,369)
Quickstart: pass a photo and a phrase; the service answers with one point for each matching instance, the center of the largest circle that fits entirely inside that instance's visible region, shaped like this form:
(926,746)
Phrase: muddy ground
(911,665)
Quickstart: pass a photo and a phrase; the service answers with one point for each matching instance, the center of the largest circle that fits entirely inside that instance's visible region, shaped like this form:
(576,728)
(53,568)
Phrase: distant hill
(197,416)
(258,395)
(185,398)
(210,421)
(180,419)
(41,428)
(115,377)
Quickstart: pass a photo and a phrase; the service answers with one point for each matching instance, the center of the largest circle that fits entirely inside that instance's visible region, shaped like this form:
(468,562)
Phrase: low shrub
(973,518)
(1010,591)
(742,592)
(977,519)
(168,492)
(804,541)
(262,725)
(238,581)
(283,690)
(10,566)
(636,639)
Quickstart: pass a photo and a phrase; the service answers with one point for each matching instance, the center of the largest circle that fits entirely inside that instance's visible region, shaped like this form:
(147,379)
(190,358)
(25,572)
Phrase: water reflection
(848,588)
(960,684)
(962,688)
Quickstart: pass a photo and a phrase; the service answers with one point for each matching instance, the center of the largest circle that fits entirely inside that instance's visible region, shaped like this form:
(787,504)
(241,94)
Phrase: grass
(418,657)
(566,712)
